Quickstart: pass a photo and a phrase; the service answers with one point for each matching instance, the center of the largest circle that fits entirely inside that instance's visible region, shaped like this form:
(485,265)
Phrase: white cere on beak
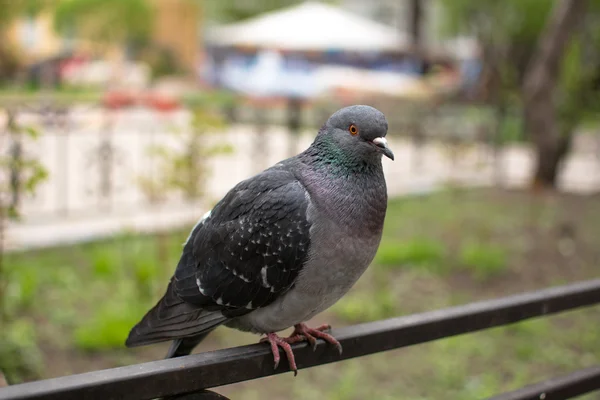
(380,141)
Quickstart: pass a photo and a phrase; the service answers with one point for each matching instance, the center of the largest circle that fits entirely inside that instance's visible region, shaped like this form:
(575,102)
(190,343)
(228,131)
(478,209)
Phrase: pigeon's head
(359,131)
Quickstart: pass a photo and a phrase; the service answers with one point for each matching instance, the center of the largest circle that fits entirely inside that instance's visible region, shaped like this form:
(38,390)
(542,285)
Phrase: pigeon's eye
(353,129)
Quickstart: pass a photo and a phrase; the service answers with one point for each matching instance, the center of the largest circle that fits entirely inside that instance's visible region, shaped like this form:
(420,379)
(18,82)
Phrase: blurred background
(123,121)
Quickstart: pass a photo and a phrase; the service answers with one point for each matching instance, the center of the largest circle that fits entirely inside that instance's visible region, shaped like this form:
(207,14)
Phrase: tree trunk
(415,30)
(549,158)
(9,62)
(415,23)
(539,91)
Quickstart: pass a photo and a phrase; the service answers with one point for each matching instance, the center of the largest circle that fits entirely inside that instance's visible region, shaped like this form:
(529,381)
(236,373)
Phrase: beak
(382,144)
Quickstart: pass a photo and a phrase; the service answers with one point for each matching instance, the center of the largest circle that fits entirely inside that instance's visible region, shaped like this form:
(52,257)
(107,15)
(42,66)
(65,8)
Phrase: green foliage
(106,21)
(346,386)
(184,169)
(15,9)
(579,99)
(484,260)
(362,307)
(512,129)
(146,273)
(128,272)
(73,302)
(161,60)
(32,173)
(97,290)
(510,31)
(20,358)
(209,100)
(108,327)
(416,252)
(496,21)
(233,11)
(104,264)
(21,290)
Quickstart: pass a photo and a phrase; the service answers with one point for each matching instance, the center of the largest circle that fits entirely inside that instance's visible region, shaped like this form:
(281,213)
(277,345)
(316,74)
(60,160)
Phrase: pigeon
(281,246)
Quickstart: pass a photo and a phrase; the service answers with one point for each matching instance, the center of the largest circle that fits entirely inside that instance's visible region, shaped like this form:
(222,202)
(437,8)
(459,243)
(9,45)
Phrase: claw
(311,335)
(311,340)
(301,333)
(275,342)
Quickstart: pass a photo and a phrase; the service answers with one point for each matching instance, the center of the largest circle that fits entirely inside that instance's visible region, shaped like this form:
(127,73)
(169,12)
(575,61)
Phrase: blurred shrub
(105,264)
(105,21)
(483,260)
(147,273)
(512,129)
(19,355)
(185,169)
(213,100)
(21,291)
(131,272)
(419,252)
(161,60)
(108,326)
(20,358)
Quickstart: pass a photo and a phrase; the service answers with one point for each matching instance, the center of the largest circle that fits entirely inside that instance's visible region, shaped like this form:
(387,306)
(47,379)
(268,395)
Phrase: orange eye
(353,129)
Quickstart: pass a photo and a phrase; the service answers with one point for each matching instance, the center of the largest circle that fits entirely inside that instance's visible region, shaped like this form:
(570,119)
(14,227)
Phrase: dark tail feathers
(184,346)
(173,319)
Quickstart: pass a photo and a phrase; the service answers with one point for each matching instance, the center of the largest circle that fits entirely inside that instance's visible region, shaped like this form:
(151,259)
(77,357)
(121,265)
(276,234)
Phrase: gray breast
(339,255)
(337,260)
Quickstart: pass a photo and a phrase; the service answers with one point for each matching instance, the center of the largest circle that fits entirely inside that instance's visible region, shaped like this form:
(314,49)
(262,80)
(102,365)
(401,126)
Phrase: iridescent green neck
(326,154)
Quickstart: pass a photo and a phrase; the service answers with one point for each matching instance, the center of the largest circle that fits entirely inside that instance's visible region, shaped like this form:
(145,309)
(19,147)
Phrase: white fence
(95,158)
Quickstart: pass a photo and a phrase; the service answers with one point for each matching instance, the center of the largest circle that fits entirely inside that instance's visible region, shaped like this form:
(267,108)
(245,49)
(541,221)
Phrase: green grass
(88,295)
(98,290)
(450,248)
(418,252)
(483,260)
(365,306)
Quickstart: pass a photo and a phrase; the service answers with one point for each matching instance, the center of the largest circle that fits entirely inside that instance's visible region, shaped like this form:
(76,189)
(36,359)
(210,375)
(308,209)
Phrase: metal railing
(189,377)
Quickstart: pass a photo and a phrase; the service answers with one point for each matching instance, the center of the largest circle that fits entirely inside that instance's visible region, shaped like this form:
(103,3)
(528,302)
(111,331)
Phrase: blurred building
(176,27)
(35,37)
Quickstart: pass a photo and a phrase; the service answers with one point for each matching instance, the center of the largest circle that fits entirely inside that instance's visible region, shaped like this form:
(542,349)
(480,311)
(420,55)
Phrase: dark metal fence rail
(216,368)
(564,387)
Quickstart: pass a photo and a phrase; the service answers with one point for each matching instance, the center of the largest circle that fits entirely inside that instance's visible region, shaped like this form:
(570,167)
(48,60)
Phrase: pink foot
(276,341)
(303,332)
(300,334)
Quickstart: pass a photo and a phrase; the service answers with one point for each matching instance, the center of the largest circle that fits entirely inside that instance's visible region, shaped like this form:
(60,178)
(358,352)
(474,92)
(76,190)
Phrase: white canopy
(309,26)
